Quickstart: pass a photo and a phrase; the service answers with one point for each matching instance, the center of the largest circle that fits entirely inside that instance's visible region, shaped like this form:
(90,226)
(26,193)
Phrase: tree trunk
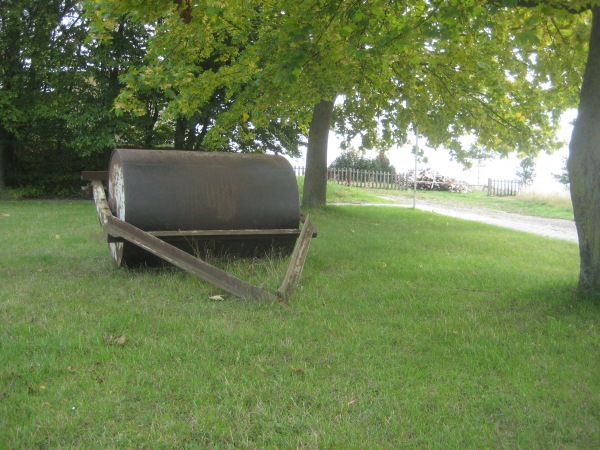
(315,180)
(180,128)
(3,155)
(152,112)
(584,166)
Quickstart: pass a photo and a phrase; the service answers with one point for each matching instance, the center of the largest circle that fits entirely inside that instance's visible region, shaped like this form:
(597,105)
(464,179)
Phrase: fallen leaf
(57,236)
(72,369)
(4,215)
(351,402)
(118,340)
(297,370)
(217,298)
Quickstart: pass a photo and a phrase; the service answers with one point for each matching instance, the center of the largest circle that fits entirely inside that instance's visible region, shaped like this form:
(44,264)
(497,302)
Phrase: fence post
(503,188)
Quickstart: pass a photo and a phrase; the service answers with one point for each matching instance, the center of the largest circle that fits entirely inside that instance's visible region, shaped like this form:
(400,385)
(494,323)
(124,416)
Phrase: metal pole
(416,160)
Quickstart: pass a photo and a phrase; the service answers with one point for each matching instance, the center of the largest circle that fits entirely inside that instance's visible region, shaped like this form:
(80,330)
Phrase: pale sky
(506,168)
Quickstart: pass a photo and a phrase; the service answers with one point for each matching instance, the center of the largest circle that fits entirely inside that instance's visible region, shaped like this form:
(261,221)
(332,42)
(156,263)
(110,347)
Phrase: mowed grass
(408,329)
(340,193)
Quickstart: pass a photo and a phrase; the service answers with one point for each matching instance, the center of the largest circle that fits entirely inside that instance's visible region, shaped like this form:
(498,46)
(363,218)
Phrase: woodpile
(430,180)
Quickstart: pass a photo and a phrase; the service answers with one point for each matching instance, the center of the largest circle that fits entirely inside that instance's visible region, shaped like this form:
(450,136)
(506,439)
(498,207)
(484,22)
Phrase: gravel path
(554,228)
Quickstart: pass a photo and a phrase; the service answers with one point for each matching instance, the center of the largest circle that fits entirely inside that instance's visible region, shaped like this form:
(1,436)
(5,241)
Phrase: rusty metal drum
(171,190)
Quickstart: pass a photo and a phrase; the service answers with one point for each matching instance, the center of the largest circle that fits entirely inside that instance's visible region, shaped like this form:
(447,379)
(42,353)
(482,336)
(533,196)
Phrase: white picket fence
(372,179)
(503,188)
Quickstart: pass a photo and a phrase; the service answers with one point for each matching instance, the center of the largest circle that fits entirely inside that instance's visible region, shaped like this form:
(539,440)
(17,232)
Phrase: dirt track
(554,228)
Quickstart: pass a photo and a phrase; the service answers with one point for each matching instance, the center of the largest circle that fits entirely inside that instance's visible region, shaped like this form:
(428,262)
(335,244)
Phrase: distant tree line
(352,159)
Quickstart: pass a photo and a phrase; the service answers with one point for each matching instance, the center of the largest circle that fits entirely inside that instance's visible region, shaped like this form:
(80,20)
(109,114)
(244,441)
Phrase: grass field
(407,330)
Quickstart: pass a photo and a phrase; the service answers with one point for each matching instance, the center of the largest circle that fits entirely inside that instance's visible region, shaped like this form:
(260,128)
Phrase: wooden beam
(226,233)
(186,261)
(94,175)
(102,207)
(294,271)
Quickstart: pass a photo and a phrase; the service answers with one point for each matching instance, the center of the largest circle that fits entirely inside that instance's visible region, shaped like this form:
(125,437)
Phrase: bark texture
(584,166)
(315,180)
(180,127)
(3,152)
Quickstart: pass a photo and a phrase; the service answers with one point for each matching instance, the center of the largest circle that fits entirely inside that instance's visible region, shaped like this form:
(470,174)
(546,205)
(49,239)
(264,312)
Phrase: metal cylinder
(171,190)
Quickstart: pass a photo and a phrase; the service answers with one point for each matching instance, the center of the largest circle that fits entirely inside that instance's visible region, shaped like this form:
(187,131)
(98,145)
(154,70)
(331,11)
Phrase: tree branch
(563,5)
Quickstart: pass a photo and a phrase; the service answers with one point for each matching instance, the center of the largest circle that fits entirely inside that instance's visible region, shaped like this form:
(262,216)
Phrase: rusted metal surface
(158,190)
(178,190)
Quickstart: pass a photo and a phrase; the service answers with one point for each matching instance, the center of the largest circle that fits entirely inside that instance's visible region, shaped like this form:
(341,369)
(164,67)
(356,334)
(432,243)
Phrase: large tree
(584,166)
(584,149)
(33,43)
(57,91)
(194,61)
(452,68)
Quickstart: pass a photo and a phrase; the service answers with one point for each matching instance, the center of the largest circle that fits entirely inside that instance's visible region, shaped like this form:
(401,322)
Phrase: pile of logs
(430,180)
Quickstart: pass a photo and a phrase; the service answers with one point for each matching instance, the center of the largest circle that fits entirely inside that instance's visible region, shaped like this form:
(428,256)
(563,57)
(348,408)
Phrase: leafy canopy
(494,70)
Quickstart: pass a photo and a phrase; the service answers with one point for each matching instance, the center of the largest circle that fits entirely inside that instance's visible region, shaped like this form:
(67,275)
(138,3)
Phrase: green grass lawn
(339,193)
(408,329)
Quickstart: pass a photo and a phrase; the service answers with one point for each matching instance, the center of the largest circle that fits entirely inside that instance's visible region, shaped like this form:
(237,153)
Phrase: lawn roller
(182,206)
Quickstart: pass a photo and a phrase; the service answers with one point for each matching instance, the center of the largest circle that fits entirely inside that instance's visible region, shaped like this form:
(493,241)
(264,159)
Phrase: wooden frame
(116,229)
